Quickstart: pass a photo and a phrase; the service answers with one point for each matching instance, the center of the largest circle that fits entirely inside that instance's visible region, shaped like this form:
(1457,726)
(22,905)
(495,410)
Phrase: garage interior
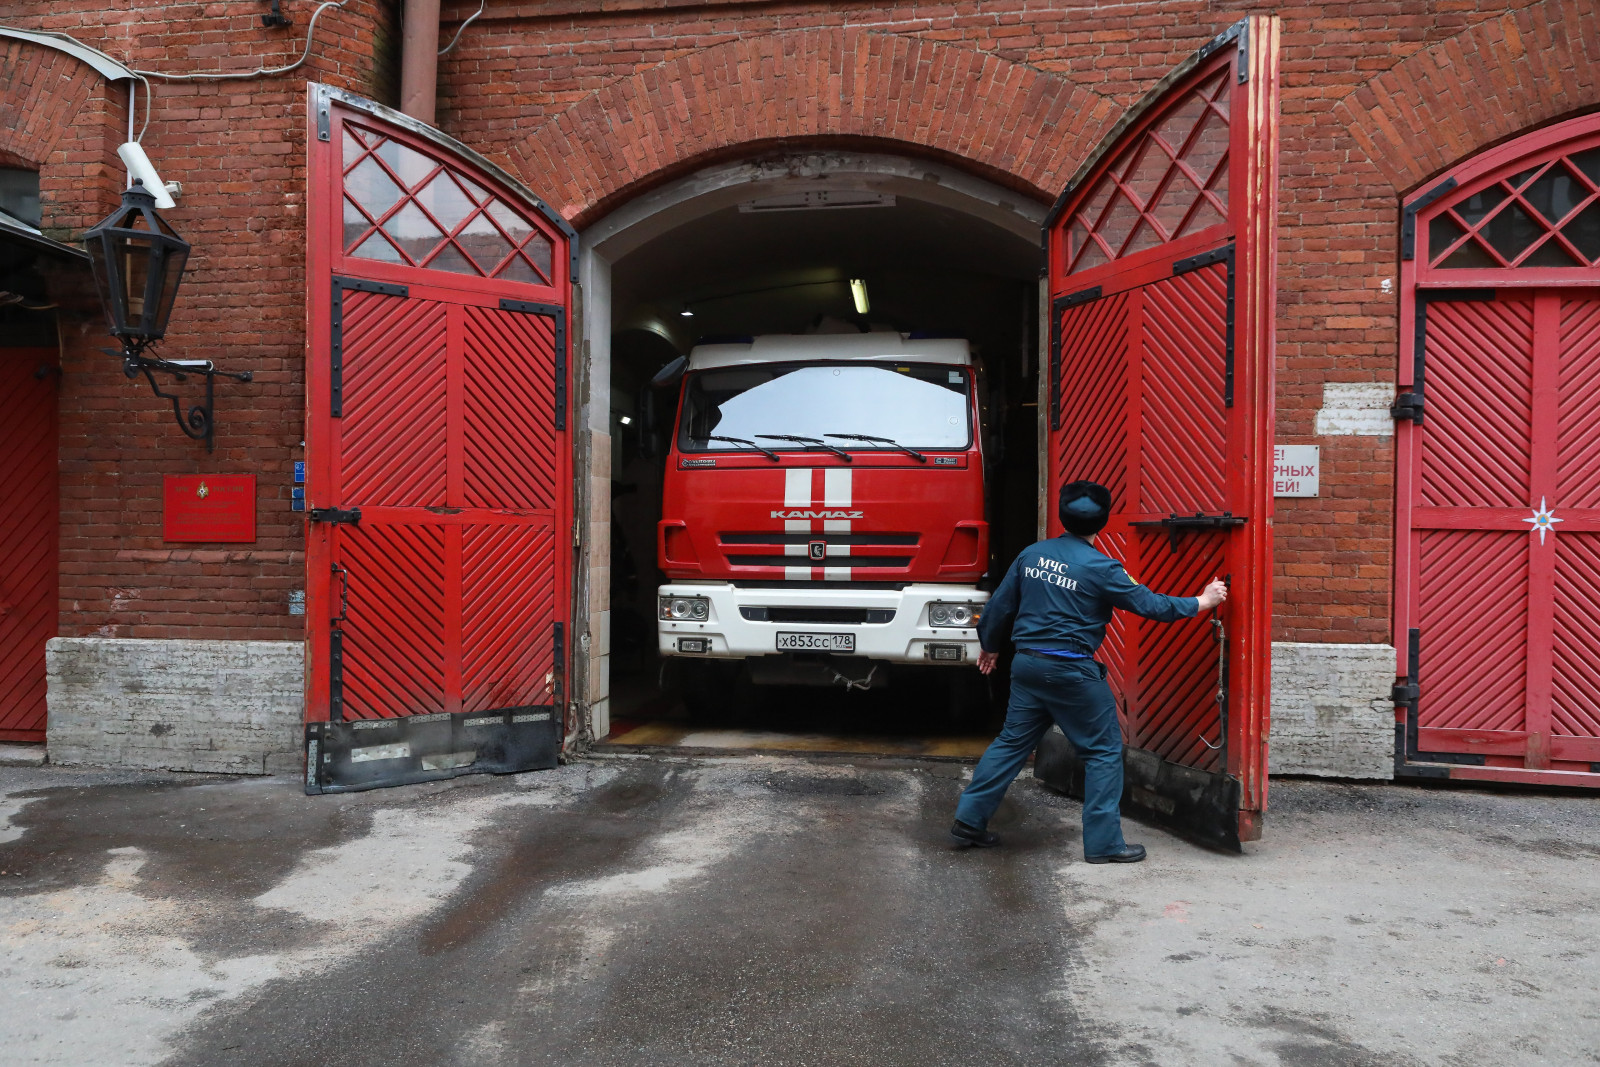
(781,260)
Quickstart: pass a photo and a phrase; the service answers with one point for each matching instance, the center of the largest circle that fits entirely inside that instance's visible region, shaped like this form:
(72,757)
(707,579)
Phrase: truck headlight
(955,615)
(684,608)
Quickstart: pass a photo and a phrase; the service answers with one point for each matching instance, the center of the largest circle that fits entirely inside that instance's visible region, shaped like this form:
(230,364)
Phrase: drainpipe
(419,59)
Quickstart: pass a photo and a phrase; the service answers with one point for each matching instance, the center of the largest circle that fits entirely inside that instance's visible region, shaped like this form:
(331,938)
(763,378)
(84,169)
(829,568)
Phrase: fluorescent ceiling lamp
(858,290)
(816,200)
(686,313)
(626,421)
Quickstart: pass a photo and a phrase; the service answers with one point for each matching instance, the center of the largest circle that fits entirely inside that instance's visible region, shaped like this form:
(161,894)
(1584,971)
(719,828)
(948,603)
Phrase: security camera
(139,167)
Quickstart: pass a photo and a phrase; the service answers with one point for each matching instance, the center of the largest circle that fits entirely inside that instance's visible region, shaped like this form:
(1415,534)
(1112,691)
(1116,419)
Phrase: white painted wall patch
(1356,409)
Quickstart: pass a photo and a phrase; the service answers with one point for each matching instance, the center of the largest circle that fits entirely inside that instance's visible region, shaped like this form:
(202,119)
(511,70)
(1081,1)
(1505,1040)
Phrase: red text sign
(209,507)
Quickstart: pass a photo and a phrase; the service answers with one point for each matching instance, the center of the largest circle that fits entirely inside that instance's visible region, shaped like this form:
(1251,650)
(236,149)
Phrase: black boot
(1129,854)
(971,835)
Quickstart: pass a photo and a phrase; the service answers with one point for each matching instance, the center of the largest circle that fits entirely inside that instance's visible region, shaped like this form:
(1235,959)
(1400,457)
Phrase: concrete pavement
(779,910)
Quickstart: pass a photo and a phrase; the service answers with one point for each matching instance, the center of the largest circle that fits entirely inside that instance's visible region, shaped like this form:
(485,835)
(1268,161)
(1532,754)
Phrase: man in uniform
(1055,602)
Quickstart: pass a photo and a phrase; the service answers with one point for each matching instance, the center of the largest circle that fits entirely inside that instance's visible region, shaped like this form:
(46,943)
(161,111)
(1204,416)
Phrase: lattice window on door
(403,207)
(1170,182)
(1545,215)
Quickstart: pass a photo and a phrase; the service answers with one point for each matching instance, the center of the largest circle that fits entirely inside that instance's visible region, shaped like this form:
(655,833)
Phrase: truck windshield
(915,405)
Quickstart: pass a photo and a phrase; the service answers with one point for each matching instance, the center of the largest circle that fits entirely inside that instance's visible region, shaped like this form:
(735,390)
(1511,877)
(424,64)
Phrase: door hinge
(336,515)
(1408,761)
(1057,309)
(1408,217)
(336,647)
(336,332)
(1225,256)
(1407,405)
(324,123)
(559,315)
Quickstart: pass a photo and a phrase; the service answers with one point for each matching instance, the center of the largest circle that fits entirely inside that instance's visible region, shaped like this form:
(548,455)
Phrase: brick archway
(1492,81)
(62,117)
(1009,121)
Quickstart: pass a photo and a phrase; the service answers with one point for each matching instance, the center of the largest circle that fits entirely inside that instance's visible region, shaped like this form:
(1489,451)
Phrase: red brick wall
(238,147)
(592,107)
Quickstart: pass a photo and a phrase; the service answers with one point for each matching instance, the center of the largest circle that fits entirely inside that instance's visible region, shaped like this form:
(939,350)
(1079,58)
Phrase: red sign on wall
(209,507)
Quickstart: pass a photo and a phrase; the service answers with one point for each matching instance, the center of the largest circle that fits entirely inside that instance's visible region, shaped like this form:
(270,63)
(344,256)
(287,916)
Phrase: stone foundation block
(231,707)
(1331,710)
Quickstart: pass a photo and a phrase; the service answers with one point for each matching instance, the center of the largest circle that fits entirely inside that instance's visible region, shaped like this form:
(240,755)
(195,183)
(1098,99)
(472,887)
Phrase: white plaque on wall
(1296,470)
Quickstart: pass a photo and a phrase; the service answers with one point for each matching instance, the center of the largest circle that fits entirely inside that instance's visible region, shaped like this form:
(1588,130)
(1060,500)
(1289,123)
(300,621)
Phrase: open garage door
(438,466)
(1161,274)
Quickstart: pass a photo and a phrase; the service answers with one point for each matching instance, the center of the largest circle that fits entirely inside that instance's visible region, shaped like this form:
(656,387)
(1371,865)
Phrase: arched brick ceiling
(1007,120)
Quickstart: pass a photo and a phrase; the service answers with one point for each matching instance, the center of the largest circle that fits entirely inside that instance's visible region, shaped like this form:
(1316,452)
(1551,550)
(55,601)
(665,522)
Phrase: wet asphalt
(768,910)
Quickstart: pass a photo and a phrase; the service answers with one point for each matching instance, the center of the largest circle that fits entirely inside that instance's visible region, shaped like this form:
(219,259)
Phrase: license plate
(816,642)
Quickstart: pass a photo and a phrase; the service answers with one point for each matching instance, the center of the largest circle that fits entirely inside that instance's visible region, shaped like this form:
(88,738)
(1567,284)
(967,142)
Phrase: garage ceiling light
(858,290)
(817,199)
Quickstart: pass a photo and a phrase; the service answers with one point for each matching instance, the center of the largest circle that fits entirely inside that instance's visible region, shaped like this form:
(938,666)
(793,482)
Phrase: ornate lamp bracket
(200,421)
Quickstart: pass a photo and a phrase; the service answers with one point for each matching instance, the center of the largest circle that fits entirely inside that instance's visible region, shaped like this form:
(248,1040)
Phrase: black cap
(1084,507)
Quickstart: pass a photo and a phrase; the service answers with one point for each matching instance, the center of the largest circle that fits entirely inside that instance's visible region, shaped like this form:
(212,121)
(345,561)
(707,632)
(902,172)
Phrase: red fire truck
(822,511)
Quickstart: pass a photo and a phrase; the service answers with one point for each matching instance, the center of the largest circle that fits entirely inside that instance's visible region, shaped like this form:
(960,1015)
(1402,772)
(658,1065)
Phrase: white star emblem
(1543,520)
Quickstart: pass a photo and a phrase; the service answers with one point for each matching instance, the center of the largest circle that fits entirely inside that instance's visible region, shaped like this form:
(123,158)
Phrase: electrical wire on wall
(143,76)
(260,72)
(459,29)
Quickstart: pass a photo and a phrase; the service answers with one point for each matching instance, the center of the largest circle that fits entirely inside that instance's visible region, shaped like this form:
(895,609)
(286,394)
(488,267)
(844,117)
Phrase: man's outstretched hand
(986,661)
(1213,594)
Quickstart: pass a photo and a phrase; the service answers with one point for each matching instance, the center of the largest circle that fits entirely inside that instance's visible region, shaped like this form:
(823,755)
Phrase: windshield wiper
(913,453)
(813,444)
(769,453)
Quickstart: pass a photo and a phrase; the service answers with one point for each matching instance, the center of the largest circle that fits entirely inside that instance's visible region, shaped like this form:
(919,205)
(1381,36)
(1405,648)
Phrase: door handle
(1177,525)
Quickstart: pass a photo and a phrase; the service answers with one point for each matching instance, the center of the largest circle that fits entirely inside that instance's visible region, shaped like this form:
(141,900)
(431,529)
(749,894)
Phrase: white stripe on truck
(836,487)
(797,487)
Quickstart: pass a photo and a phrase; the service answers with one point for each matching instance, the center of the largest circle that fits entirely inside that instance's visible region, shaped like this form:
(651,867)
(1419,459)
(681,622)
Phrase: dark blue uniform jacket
(1058,596)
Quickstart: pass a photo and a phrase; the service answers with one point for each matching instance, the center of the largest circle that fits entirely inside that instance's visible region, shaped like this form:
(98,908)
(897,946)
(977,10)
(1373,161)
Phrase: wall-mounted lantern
(138,262)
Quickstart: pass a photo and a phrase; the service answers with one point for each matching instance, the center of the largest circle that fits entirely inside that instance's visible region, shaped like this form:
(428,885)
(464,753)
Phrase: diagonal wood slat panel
(394,644)
(1165,676)
(1575,710)
(1115,650)
(1178,662)
(392,435)
(509,440)
(1092,442)
(1474,663)
(28,541)
(1476,440)
(507,613)
(1183,439)
(1578,432)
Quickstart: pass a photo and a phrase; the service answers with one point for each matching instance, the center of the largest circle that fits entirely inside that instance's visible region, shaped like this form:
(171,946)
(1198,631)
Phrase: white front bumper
(904,639)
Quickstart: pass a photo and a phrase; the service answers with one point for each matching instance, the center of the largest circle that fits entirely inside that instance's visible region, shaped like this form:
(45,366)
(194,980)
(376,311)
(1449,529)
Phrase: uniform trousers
(1072,694)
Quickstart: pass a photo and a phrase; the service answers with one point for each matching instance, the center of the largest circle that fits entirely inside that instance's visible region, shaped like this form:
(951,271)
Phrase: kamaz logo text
(818,514)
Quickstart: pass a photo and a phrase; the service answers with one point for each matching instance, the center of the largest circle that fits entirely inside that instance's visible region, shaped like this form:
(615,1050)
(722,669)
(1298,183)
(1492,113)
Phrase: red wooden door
(28,536)
(1161,279)
(438,460)
(1498,500)
(1504,524)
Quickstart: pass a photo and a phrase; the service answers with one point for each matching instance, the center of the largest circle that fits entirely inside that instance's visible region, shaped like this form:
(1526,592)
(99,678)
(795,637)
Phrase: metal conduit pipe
(419,59)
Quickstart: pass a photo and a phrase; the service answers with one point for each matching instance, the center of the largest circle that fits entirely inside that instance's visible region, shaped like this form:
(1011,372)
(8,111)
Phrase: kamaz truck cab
(823,509)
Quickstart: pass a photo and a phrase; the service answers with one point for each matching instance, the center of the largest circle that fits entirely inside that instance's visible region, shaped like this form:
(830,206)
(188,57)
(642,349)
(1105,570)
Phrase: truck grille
(820,615)
(832,561)
(775,538)
(777,549)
